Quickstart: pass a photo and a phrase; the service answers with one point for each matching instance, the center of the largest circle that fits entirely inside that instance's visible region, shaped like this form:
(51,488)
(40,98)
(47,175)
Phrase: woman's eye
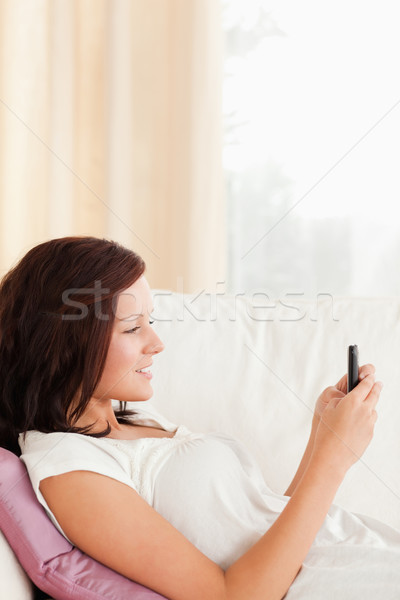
(136,328)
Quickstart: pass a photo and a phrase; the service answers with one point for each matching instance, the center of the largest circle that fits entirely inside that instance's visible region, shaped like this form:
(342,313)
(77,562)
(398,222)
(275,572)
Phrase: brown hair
(57,307)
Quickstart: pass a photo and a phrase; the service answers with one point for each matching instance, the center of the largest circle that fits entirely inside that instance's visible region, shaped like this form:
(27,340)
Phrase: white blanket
(353,557)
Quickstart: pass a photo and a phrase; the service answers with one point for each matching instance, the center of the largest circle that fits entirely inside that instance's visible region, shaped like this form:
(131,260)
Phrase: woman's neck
(99,413)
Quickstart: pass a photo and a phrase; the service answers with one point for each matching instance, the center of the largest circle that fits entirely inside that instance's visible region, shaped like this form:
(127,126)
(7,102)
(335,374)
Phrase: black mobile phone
(352,369)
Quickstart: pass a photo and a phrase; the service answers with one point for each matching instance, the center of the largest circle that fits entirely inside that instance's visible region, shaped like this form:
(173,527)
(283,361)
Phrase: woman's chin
(141,397)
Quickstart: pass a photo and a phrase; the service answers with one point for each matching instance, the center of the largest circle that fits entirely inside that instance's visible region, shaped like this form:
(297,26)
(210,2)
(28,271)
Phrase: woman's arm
(306,458)
(267,570)
(110,522)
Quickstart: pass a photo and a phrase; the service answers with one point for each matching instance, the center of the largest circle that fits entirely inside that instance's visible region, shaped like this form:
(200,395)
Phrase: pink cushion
(56,567)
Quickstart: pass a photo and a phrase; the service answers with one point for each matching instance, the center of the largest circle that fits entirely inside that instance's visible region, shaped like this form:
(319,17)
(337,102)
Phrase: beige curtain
(110,116)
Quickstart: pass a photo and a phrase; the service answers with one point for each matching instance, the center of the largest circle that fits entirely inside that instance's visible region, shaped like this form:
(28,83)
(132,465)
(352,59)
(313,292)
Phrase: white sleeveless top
(209,487)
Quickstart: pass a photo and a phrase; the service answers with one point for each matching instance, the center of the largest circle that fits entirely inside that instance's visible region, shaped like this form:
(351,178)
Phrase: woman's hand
(347,424)
(339,390)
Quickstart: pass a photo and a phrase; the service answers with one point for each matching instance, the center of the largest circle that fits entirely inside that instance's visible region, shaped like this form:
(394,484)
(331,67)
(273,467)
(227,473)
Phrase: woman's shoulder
(64,447)
(33,440)
(50,454)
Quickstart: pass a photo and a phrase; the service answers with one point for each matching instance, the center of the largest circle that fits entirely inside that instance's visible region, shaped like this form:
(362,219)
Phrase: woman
(186,514)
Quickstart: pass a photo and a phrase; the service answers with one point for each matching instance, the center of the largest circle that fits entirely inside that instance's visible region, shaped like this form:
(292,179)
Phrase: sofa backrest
(253,367)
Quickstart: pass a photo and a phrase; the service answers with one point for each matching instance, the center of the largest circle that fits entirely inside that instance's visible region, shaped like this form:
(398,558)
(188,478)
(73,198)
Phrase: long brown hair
(57,307)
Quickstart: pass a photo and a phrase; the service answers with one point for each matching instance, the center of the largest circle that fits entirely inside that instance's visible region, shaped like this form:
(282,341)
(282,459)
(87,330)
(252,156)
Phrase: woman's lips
(148,375)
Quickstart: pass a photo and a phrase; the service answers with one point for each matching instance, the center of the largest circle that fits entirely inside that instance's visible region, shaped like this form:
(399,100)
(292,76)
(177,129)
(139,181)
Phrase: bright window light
(312,146)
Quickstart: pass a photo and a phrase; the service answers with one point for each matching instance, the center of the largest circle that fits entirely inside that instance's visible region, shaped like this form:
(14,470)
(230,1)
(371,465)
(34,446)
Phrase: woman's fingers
(352,419)
(374,394)
(363,388)
(342,383)
(366,370)
(363,371)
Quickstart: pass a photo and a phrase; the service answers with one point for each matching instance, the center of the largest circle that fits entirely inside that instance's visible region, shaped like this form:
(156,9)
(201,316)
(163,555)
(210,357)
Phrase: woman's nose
(156,345)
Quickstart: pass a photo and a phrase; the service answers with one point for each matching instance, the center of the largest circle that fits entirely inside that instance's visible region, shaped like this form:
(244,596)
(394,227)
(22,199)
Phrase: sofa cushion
(52,563)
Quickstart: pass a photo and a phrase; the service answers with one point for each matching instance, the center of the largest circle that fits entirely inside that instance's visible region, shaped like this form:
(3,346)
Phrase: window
(312,146)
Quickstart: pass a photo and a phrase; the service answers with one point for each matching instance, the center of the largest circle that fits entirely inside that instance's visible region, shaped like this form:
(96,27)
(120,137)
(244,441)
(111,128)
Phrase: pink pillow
(56,567)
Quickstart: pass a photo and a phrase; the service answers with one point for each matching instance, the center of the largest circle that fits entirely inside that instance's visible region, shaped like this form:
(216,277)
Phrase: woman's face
(133,344)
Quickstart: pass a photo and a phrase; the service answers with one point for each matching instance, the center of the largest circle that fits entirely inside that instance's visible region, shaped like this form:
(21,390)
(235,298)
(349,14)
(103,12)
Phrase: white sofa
(253,367)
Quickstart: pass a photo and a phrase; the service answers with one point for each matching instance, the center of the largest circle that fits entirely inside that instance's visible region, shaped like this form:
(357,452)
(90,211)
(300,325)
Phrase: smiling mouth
(144,368)
(146,374)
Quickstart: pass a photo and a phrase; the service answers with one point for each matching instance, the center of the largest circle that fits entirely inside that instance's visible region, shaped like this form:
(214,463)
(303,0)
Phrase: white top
(209,487)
